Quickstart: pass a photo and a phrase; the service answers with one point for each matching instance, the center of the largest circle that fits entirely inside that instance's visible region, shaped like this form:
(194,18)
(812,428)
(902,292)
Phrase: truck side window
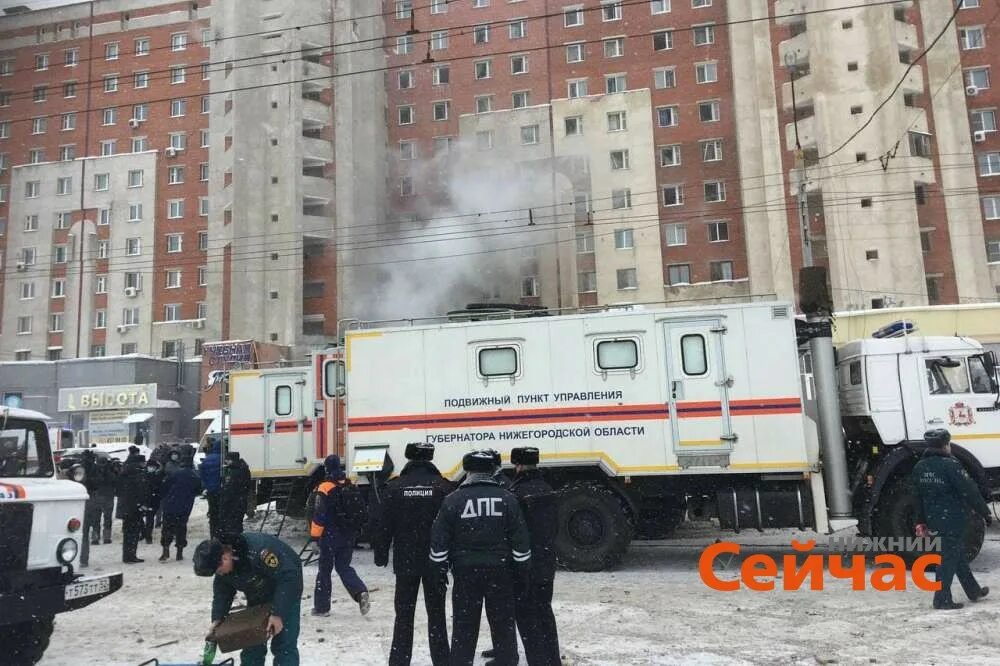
(981,380)
(498,362)
(855,373)
(947,376)
(283,400)
(333,379)
(694,358)
(617,355)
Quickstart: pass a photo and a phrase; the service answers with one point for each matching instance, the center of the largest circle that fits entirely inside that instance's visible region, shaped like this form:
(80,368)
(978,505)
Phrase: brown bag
(243,629)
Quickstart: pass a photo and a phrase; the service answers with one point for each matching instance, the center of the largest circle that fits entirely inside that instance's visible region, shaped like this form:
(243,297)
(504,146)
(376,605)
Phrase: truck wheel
(25,642)
(594,527)
(897,516)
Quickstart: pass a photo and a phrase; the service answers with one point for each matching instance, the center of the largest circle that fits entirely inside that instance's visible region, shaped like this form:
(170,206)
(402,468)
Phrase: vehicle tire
(594,527)
(896,516)
(26,642)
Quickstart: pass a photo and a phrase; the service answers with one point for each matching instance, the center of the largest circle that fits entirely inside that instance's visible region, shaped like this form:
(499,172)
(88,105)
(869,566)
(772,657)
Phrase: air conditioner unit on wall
(199,323)
(979,137)
(131,292)
(134,122)
(971,91)
(21,266)
(170,152)
(122,328)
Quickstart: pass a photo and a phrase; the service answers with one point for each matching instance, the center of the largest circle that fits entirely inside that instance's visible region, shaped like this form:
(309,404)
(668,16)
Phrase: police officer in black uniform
(480,531)
(403,521)
(947,495)
(132,497)
(535,621)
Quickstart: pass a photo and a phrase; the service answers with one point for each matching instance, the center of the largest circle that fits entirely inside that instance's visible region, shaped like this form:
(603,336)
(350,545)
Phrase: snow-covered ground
(652,610)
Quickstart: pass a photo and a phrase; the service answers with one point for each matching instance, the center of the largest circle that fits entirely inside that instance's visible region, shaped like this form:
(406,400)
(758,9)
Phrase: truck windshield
(24,449)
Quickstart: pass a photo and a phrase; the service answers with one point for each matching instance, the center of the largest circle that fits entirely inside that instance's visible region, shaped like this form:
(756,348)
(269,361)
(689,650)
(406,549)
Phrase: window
(177,75)
(130,316)
(40,93)
(586,282)
(481,34)
(621,198)
(111,51)
(33,187)
(991,207)
(29,255)
(100,319)
(983,121)
(64,185)
(129,348)
(30,223)
(406,187)
(63,220)
(135,212)
(615,83)
(56,322)
(519,99)
(404,79)
(673,195)
(663,40)
(7,67)
(35,156)
(111,83)
(71,57)
(175,175)
(659,6)
(978,78)
(203,172)
(676,235)
(483,69)
(573,17)
(706,72)
(576,88)
(98,351)
(698,4)
(41,62)
(404,9)
(140,112)
(626,278)
(140,80)
(611,11)
(133,280)
(27,291)
(614,48)
(619,160)
(101,182)
(59,288)
(203,240)
(950,376)
(407,150)
(175,209)
(442,145)
(498,362)
(584,242)
(142,46)
(59,254)
(67,153)
(518,29)
(69,89)
(108,116)
(405,114)
(529,135)
(439,6)
(484,103)
(23,325)
(404,45)
(4,129)
(108,147)
(519,64)
(133,247)
(989,164)
(617,355)
(203,206)
(174,242)
(721,270)
(5,98)
(664,77)
(708,112)
(484,139)
(440,75)
(178,41)
(968,4)
(666,116)
(479,4)
(202,280)
(971,38)
(135,178)
(574,52)
(173,279)
(38,125)
(623,239)
(573,125)
(711,151)
(205,138)
(704,35)
(670,155)
(103,249)
(68,121)
(694,356)
(529,287)
(439,40)
(178,107)
(718,232)
(715,190)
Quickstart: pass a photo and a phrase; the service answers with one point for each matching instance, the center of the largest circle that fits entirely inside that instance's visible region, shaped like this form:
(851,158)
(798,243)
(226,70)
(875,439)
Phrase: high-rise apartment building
(176,171)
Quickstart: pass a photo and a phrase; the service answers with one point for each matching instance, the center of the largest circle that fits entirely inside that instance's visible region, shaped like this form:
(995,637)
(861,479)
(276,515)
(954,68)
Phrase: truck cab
(41,520)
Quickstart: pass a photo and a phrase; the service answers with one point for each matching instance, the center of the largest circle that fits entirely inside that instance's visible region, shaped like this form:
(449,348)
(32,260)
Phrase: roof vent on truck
(487,311)
(896,329)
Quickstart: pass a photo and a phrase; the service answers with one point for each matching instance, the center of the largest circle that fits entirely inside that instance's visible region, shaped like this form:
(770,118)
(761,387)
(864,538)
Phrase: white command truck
(643,417)
(41,520)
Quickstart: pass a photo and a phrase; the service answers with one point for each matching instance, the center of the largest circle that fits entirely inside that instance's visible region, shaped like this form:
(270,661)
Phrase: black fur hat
(478,461)
(525,455)
(419,451)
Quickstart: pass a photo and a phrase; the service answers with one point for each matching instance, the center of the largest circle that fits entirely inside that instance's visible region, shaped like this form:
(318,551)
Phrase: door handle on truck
(677,389)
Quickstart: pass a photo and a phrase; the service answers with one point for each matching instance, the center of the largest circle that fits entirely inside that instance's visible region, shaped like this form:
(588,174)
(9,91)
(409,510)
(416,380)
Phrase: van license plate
(87,588)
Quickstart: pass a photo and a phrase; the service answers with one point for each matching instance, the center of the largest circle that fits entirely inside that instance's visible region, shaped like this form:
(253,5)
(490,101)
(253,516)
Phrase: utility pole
(816,303)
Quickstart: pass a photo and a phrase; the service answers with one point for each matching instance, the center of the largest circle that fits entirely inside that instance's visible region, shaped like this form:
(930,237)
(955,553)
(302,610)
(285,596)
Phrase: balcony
(317,190)
(804,93)
(914,82)
(790,12)
(317,150)
(807,133)
(795,49)
(316,71)
(906,36)
(316,112)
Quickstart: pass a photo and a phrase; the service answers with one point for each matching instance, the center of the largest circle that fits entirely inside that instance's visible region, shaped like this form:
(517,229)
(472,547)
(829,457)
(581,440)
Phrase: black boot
(180,553)
(983,591)
(947,605)
(166,554)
